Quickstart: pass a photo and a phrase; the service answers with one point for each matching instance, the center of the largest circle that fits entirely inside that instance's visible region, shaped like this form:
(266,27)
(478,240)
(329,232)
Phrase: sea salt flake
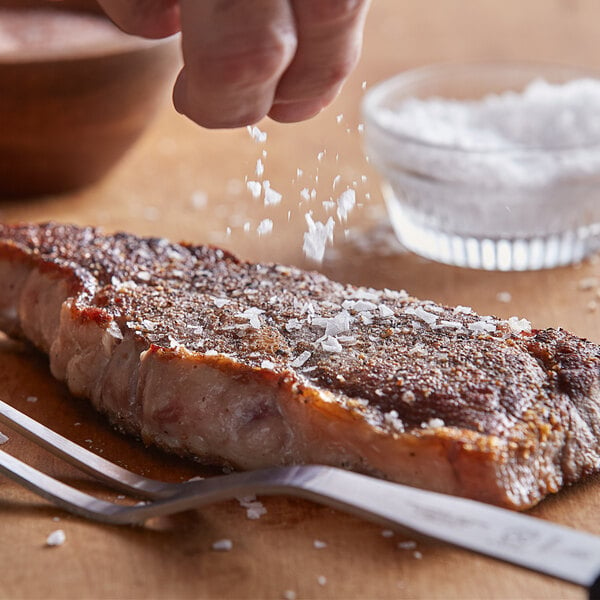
(335,325)
(267,364)
(331,344)
(256,134)
(255,188)
(517,325)
(305,194)
(265,227)
(260,168)
(316,238)
(224,545)
(221,302)
(56,538)
(481,327)
(385,311)
(345,203)
(294,324)
(272,198)
(300,360)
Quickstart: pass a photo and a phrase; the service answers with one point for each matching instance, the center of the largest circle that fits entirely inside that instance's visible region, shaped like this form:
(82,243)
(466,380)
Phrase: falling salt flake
(320,156)
(56,538)
(199,200)
(363,85)
(255,188)
(266,184)
(407,545)
(360,127)
(346,203)
(387,533)
(316,237)
(256,134)
(264,227)
(313,194)
(336,180)
(223,545)
(504,297)
(289,595)
(418,555)
(305,194)
(322,580)
(339,118)
(246,226)
(300,360)
(272,197)
(299,172)
(3,438)
(517,325)
(319,544)
(260,168)
(31,399)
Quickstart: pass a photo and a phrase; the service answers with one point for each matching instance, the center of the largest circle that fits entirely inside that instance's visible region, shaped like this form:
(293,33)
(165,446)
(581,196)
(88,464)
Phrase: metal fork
(523,540)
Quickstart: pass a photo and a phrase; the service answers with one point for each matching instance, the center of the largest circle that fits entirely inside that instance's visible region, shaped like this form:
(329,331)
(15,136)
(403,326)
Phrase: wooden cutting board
(186,183)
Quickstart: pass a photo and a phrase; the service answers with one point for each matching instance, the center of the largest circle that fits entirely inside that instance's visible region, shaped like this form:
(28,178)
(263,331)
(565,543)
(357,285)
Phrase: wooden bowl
(68,115)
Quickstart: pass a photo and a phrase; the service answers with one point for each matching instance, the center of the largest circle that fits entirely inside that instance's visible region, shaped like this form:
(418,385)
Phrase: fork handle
(514,537)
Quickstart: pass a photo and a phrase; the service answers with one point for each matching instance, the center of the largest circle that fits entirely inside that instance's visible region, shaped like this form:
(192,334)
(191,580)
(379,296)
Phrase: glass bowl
(460,193)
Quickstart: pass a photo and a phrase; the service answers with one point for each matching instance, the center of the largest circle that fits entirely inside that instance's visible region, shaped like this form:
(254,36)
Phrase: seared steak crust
(254,365)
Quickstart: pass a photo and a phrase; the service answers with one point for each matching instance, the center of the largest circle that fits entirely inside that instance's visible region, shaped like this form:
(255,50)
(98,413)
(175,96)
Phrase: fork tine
(102,469)
(63,495)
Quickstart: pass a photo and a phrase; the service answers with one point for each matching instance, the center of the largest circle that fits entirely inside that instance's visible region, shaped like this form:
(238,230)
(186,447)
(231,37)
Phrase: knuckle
(333,11)
(246,66)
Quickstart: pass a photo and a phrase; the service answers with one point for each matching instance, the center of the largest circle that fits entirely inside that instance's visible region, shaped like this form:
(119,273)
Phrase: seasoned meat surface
(258,364)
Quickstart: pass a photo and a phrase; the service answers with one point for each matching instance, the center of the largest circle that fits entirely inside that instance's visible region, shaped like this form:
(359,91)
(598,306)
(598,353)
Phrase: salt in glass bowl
(527,204)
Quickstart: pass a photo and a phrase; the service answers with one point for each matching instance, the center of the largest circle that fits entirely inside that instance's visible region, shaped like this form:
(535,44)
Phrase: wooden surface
(158,189)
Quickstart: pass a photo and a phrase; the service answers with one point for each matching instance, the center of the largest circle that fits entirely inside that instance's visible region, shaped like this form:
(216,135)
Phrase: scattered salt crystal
(256,134)
(246,226)
(321,580)
(392,418)
(418,555)
(519,325)
(255,188)
(316,237)
(252,314)
(31,399)
(272,197)
(363,85)
(410,545)
(254,508)
(588,283)
(305,193)
(264,227)
(301,359)
(319,544)
(466,310)
(199,200)
(299,172)
(211,353)
(223,545)
(346,203)
(56,538)
(481,327)
(335,325)
(434,423)
(267,364)
(504,297)
(3,438)
(360,127)
(144,275)
(339,118)
(452,324)
(331,344)
(221,302)
(260,168)
(320,156)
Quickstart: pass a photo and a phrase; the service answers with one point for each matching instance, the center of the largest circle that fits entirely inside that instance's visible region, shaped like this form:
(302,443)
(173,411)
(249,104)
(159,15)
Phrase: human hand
(245,59)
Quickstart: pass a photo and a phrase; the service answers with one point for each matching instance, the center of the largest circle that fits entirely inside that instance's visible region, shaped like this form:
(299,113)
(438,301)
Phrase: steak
(256,365)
